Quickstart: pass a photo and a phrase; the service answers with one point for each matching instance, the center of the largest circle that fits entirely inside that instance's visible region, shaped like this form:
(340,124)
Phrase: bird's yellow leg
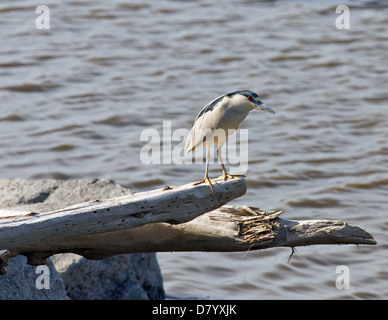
(226,176)
(229,176)
(208,180)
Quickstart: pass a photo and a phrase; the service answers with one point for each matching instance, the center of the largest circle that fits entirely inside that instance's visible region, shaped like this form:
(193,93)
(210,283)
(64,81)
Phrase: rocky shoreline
(127,276)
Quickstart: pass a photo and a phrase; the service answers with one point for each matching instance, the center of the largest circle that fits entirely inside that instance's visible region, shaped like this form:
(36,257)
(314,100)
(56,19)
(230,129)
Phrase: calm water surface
(74,100)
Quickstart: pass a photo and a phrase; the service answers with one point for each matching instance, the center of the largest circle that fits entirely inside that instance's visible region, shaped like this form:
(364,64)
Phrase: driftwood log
(186,218)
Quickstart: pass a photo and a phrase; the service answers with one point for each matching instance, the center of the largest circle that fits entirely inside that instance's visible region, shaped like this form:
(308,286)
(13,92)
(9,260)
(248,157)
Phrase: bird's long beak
(260,105)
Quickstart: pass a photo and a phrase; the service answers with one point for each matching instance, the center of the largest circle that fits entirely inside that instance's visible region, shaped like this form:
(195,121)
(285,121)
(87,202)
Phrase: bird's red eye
(250,98)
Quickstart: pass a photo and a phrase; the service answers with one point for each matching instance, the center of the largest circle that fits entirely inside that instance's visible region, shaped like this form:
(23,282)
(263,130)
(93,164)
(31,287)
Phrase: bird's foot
(209,181)
(229,176)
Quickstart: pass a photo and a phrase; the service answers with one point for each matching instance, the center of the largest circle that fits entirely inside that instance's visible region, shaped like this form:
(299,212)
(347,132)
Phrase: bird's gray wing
(203,125)
(209,107)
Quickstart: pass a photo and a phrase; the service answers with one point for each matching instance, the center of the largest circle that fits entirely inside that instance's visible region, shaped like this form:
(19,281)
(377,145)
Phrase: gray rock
(129,276)
(122,277)
(50,194)
(25,282)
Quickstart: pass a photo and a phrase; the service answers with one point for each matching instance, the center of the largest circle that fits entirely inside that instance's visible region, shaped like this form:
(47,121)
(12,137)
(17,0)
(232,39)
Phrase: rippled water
(74,100)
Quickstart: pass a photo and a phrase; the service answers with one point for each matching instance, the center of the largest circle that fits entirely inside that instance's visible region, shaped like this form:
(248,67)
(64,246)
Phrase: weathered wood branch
(185,218)
(31,233)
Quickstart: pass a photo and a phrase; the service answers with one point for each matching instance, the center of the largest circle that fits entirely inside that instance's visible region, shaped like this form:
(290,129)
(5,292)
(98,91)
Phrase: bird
(219,119)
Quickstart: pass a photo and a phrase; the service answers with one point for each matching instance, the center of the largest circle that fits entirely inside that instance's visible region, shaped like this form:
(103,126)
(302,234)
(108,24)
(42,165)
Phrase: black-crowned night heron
(219,119)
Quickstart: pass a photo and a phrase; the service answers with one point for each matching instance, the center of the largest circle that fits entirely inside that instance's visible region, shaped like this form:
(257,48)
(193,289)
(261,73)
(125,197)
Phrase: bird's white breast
(233,113)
